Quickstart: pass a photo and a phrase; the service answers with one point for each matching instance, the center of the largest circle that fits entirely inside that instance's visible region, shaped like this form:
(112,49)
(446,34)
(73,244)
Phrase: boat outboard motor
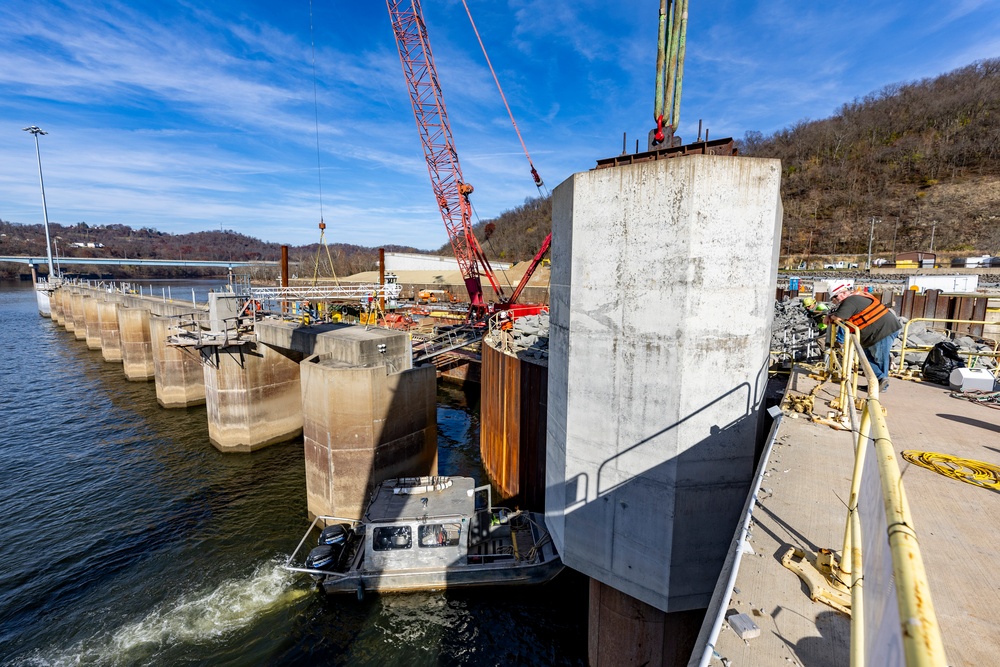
(323,557)
(335,534)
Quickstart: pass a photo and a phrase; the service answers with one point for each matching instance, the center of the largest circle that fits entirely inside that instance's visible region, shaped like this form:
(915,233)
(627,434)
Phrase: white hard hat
(841,287)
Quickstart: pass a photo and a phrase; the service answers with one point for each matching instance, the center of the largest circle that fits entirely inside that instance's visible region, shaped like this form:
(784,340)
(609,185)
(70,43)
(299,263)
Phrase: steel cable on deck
(969,471)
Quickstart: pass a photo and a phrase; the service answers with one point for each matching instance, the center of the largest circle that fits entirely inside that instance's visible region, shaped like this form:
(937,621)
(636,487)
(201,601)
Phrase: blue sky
(186,116)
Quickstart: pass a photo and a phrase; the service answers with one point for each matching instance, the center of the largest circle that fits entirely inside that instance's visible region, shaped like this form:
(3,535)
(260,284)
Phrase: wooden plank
(942,310)
(963,312)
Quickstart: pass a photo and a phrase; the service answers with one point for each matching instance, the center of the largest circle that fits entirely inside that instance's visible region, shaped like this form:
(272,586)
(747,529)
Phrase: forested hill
(924,157)
(514,235)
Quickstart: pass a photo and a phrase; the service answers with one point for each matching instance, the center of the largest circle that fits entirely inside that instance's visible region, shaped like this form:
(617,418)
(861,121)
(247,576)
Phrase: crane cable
(319,164)
(534,173)
(506,278)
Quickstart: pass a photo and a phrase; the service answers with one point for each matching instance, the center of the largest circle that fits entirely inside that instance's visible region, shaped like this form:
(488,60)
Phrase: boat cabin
(419,522)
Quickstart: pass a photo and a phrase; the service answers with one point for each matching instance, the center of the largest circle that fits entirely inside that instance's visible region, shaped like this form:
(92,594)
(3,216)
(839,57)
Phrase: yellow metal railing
(921,634)
(971,354)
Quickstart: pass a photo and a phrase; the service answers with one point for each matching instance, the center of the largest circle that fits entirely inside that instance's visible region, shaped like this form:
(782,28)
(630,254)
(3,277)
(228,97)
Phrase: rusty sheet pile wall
(512,434)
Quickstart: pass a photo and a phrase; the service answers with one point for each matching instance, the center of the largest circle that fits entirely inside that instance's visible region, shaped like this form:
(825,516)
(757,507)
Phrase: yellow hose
(969,471)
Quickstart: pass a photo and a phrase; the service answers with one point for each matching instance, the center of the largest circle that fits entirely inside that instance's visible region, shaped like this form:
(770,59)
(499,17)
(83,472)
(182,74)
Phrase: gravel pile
(528,339)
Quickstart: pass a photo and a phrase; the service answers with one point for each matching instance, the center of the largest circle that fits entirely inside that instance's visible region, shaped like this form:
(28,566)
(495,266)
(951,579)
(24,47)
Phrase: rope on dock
(969,471)
(990,399)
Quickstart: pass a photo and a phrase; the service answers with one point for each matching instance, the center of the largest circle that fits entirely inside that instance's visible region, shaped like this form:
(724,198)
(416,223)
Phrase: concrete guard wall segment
(662,291)
(362,425)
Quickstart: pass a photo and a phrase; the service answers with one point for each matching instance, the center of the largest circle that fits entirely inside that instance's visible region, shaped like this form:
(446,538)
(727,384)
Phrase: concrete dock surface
(803,503)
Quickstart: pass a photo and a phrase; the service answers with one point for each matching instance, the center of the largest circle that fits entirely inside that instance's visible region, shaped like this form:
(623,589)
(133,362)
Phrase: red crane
(450,189)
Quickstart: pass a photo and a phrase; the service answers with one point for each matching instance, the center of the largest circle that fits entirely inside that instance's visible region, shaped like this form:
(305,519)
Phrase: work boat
(428,533)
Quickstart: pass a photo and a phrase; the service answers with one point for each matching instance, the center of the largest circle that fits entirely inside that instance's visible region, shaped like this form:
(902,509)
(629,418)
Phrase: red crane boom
(450,189)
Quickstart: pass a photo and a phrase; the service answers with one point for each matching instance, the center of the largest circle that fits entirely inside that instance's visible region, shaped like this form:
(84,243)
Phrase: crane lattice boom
(450,189)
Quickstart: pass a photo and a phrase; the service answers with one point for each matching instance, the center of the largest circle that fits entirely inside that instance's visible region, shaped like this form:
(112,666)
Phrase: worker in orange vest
(877,326)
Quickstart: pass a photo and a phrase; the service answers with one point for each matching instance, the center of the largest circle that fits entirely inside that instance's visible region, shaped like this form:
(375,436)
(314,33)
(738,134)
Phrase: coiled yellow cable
(969,471)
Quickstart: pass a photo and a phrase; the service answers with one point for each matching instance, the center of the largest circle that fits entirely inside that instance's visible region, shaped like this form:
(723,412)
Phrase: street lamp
(35,130)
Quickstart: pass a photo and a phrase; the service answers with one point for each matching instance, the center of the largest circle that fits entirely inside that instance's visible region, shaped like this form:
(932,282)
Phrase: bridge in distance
(119,261)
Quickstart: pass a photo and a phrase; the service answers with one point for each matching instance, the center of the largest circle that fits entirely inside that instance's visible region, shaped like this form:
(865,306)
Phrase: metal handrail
(922,348)
(921,634)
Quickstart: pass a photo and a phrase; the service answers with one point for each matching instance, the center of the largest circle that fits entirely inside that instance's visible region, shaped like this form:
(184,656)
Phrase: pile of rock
(527,339)
(793,333)
(919,335)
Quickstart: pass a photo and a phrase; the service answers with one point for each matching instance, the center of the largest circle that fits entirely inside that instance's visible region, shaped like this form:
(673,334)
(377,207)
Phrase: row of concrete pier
(351,392)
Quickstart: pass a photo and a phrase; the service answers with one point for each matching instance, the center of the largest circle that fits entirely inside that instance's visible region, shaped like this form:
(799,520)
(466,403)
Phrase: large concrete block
(179,377)
(55,305)
(351,344)
(111,342)
(362,425)
(79,328)
(662,287)
(253,396)
(92,322)
(137,351)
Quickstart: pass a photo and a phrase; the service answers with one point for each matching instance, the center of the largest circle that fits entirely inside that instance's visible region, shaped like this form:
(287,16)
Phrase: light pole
(55,242)
(35,130)
(871,236)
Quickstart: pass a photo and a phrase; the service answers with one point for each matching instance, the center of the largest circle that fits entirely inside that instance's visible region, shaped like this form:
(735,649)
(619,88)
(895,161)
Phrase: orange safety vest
(874,311)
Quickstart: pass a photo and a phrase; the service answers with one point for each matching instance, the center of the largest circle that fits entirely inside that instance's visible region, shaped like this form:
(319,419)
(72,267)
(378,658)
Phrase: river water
(127,539)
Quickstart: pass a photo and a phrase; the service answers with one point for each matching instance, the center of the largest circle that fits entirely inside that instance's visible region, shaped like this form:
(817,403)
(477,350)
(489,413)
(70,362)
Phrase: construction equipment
(451,191)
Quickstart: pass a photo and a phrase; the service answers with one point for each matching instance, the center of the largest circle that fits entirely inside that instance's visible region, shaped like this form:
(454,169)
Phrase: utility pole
(894,230)
(871,236)
(35,130)
(933,226)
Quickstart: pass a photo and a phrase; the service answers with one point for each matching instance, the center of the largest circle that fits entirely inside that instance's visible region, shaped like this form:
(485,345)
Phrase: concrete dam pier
(364,412)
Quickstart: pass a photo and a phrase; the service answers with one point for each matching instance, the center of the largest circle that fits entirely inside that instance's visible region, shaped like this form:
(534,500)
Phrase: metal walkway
(447,341)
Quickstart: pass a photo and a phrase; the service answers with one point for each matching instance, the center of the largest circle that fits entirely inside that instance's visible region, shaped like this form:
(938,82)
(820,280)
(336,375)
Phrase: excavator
(451,190)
